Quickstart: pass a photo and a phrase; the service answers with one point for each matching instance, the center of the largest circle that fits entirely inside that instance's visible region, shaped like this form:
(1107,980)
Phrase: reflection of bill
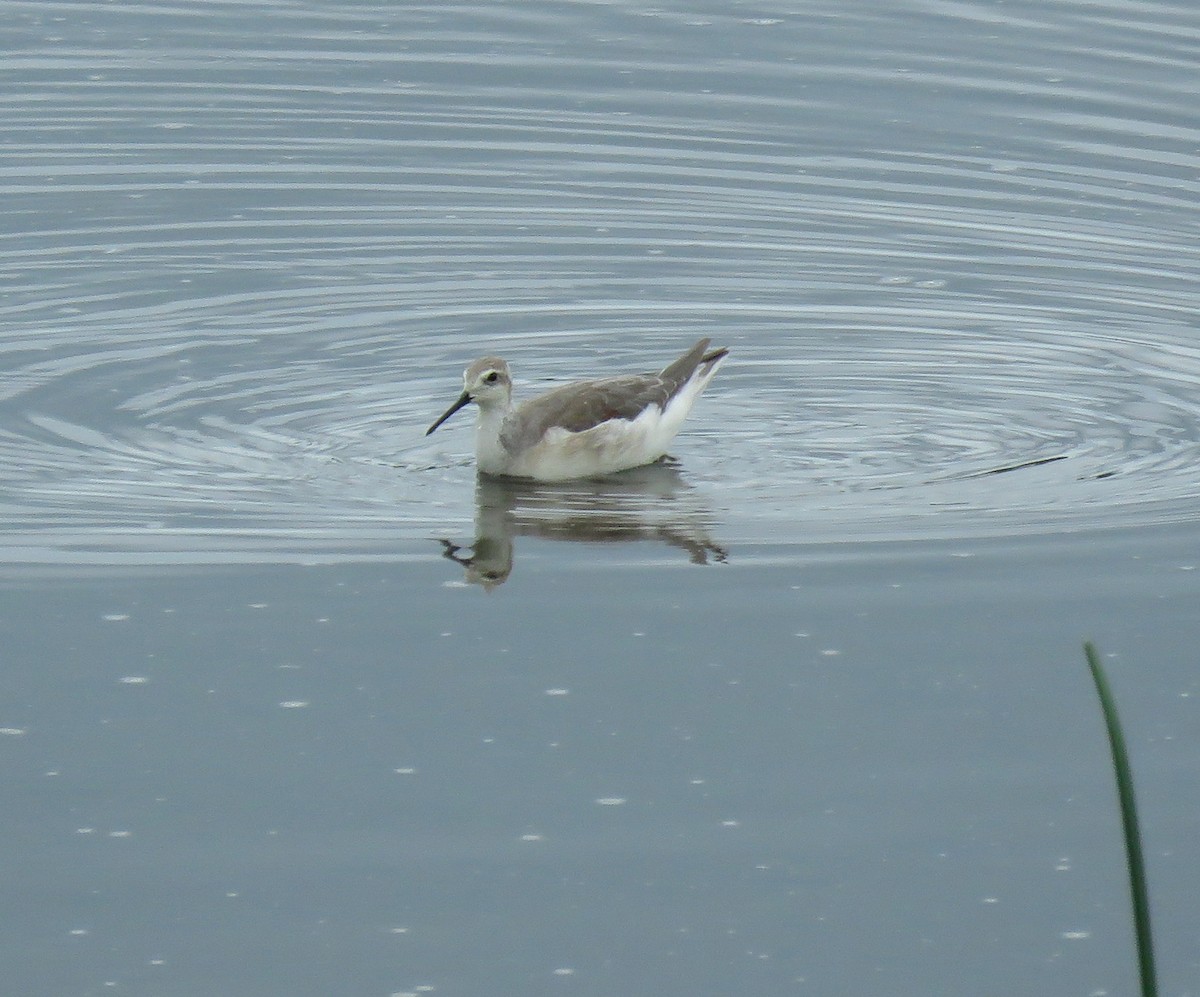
(650,503)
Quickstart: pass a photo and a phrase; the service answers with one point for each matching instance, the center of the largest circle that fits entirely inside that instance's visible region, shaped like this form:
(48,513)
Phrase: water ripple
(244,268)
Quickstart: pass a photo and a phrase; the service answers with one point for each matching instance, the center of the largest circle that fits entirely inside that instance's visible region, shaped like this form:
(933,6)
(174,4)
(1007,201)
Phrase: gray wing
(579,407)
(583,406)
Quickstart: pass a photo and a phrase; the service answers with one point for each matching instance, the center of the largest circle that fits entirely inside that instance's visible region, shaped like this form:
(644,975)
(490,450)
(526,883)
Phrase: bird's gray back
(583,406)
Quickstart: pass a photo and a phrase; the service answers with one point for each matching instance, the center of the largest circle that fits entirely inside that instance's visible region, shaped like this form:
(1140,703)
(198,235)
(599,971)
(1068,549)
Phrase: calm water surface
(291,704)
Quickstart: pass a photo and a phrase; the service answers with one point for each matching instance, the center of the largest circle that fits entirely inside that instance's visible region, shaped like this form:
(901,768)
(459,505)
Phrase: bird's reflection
(647,503)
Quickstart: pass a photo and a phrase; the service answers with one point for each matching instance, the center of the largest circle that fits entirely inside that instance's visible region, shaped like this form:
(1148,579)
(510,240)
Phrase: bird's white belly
(605,449)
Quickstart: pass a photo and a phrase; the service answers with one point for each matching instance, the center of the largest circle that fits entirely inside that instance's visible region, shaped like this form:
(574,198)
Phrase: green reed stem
(1129,820)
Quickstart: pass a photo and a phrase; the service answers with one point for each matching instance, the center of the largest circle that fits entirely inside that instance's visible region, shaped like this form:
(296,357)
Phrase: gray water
(291,705)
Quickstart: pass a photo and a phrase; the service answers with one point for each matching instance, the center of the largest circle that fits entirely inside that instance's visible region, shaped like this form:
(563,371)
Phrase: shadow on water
(652,503)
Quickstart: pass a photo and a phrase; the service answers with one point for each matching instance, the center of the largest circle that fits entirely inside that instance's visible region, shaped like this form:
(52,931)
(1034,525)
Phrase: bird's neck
(489,451)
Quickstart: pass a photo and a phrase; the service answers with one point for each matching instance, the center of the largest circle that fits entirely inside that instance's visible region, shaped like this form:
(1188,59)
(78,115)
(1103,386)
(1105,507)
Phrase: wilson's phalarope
(585,429)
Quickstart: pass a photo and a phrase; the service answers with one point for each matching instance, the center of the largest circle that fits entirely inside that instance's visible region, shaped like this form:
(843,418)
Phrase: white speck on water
(407,770)
(612,801)
(133,680)
(294,704)
(399,931)
(830,652)
(533,836)
(114,617)
(13,731)
(558,692)
(1075,936)
(731,823)
(120,834)
(78,932)
(564,971)
(259,605)
(990,900)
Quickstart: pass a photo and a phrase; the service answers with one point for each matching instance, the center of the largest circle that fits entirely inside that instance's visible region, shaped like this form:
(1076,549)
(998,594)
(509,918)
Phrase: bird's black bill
(463,399)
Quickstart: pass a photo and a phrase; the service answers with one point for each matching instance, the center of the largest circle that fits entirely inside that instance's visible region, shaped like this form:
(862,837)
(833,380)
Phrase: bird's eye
(492,377)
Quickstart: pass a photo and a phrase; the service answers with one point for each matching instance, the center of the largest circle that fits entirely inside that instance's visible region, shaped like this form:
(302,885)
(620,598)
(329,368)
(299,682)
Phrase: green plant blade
(1129,820)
